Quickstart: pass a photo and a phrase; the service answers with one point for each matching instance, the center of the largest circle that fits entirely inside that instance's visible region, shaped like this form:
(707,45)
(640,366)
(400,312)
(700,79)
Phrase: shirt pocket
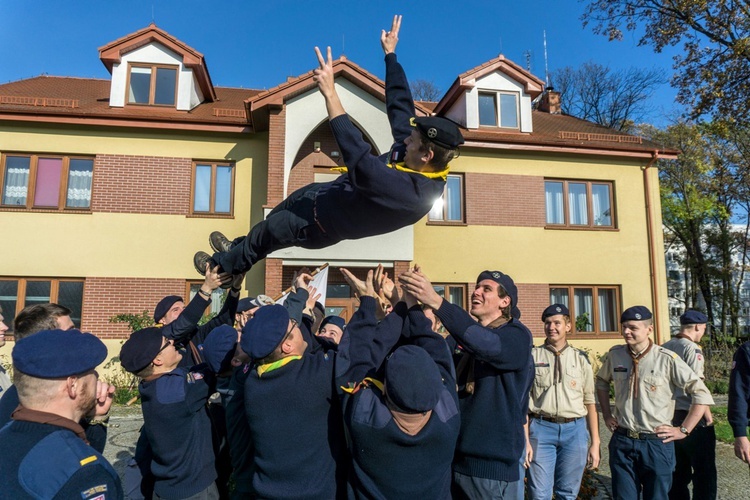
(544,377)
(657,389)
(574,378)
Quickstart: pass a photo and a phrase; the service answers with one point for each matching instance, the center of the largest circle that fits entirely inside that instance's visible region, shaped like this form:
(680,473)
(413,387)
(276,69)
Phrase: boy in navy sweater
(400,187)
(175,416)
(402,430)
(494,376)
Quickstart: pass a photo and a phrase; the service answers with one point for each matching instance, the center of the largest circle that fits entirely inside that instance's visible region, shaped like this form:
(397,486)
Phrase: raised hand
(361,288)
(417,284)
(388,40)
(323,75)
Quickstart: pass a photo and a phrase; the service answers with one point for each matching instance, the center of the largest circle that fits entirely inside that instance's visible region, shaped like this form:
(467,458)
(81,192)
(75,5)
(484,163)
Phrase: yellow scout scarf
(442,175)
(269,367)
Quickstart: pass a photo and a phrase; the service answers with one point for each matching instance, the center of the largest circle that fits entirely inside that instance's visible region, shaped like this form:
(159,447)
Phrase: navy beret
(218,348)
(441,131)
(265,331)
(58,353)
(334,320)
(141,348)
(412,379)
(164,305)
(554,310)
(506,282)
(635,313)
(693,317)
(252,302)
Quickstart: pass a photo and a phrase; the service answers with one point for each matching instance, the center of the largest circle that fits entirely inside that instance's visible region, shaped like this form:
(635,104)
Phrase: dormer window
(498,109)
(152,85)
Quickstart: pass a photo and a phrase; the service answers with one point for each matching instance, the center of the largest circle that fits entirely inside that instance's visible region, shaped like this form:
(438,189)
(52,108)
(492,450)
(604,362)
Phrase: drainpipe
(651,250)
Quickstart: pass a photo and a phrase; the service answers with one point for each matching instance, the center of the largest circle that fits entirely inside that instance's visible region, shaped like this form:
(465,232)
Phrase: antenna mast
(546,68)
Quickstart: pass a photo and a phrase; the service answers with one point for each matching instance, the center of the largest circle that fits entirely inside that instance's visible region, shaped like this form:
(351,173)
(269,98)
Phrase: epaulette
(672,354)
(618,346)
(583,354)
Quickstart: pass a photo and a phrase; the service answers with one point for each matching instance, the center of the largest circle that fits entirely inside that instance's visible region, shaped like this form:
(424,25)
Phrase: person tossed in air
(376,194)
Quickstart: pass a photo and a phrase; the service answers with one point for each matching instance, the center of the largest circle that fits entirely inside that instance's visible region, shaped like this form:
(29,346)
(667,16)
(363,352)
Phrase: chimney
(550,102)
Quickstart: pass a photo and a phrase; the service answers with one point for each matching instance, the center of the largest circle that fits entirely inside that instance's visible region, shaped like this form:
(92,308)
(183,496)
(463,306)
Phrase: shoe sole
(216,248)
(200,271)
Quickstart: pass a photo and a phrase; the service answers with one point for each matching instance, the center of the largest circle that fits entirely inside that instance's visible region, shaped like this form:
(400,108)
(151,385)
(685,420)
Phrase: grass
(723,430)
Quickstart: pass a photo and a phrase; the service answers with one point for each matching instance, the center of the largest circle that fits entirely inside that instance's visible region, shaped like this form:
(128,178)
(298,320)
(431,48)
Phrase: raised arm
(184,328)
(324,77)
(398,99)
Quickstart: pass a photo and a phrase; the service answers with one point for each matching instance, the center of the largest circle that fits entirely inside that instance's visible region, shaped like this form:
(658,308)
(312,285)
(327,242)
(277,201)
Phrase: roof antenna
(152,14)
(546,69)
(527,53)
(343,44)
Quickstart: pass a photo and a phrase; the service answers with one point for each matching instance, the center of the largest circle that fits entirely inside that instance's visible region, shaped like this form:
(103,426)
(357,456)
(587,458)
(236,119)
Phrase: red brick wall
(141,184)
(533,298)
(107,297)
(274,283)
(504,200)
(276,133)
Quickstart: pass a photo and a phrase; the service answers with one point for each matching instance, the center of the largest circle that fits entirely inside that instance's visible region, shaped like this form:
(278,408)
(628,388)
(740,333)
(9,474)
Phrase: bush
(718,363)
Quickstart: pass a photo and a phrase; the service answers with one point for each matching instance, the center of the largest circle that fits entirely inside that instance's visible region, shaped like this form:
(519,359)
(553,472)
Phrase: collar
(23,414)
(269,367)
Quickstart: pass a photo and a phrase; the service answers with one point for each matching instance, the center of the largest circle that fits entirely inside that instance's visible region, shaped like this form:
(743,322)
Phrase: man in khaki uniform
(641,453)
(696,454)
(562,395)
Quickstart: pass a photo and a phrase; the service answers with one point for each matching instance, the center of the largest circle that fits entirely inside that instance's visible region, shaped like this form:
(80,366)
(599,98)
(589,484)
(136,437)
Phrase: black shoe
(219,242)
(200,259)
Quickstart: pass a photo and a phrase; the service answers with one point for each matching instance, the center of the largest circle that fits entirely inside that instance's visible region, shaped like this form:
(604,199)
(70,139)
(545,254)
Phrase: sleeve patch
(100,492)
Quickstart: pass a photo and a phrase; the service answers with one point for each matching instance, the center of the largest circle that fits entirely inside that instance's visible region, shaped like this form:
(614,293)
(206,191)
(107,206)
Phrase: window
(593,310)
(46,181)
(17,293)
(217,297)
(154,85)
(589,204)
(213,188)
(449,207)
(498,109)
(455,294)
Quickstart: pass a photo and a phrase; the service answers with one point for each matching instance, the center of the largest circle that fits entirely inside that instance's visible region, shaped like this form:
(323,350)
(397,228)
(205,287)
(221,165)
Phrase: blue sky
(256,44)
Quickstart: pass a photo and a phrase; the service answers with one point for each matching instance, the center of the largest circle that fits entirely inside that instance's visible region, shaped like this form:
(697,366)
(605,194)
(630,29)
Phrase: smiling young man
(646,377)
(561,407)
(400,186)
(494,375)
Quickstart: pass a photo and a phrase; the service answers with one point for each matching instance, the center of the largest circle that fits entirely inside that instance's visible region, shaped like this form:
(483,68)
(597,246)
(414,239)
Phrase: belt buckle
(633,434)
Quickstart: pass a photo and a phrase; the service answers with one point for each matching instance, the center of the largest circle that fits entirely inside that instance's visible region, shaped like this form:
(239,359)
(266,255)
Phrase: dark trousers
(696,461)
(290,223)
(640,465)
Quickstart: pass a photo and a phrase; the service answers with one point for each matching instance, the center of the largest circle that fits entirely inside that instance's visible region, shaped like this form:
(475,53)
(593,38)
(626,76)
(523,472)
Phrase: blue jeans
(637,464)
(560,454)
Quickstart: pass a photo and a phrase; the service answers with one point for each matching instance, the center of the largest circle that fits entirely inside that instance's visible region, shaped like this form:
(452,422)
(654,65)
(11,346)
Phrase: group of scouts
(255,404)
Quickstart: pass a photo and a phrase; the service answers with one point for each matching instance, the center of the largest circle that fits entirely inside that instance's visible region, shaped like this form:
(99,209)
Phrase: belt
(315,214)
(556,420)
(636,435)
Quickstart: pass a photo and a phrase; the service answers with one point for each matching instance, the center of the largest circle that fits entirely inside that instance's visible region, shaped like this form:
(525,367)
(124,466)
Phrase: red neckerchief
(23,414)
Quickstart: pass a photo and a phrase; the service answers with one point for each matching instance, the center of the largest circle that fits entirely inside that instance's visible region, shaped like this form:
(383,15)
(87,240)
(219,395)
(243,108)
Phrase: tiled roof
(90,99)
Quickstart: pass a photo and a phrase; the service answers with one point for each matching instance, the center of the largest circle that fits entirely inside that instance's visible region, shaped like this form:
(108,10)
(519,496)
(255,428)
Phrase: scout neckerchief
(466,363)
(23,414)
(636,358)
(269,367)
(442,174)
(558,364)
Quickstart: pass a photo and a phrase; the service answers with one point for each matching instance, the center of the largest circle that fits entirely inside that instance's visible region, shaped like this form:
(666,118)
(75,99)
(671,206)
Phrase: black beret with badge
(635,313)
(58,353)
(554,310)
(693,317)
(441,131)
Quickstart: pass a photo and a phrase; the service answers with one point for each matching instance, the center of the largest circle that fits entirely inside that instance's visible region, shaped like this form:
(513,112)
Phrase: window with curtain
(213,188)
(153,85)
(498,109)
(594,310)
(17,293)
(579,204)
(46,181)
(449,207)
(455,294)
(217,297)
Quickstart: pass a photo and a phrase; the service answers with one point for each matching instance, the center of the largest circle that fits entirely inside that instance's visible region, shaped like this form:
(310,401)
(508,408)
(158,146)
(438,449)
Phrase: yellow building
(110,186)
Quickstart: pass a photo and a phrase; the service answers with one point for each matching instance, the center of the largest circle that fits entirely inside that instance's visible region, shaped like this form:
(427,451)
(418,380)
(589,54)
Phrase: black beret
(334,320)
(218,348)
(412,379)
(554,310)
(504,281)
(635,313)
(265,331)
(164,304)
(58,353)
(693,317)
(141,348)
(441,131)
(252,302)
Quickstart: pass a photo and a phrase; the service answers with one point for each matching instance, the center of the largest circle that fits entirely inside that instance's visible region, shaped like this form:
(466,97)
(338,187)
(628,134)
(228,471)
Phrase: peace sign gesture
(389,40)
(323,75)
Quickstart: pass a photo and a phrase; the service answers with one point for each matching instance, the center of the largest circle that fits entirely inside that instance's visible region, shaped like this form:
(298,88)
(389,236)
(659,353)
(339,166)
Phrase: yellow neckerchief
(269,367)
(354,387)
(442,175)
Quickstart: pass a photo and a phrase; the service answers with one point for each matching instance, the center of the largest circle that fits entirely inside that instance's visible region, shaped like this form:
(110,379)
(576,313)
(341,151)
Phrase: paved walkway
(734,475)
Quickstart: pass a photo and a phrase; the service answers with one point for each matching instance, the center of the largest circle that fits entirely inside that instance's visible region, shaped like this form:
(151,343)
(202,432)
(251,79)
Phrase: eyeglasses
(168,343)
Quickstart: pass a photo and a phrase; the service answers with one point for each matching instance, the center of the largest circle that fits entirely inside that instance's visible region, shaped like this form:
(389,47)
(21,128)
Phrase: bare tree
(425,90)
(615,99)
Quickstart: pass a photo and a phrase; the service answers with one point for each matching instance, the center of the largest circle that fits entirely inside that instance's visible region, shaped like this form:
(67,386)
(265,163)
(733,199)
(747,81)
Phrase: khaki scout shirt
(660,372)
(690,353)
(567,399)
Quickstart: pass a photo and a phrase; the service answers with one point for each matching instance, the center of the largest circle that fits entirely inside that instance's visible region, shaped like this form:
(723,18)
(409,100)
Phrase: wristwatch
(684,430)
